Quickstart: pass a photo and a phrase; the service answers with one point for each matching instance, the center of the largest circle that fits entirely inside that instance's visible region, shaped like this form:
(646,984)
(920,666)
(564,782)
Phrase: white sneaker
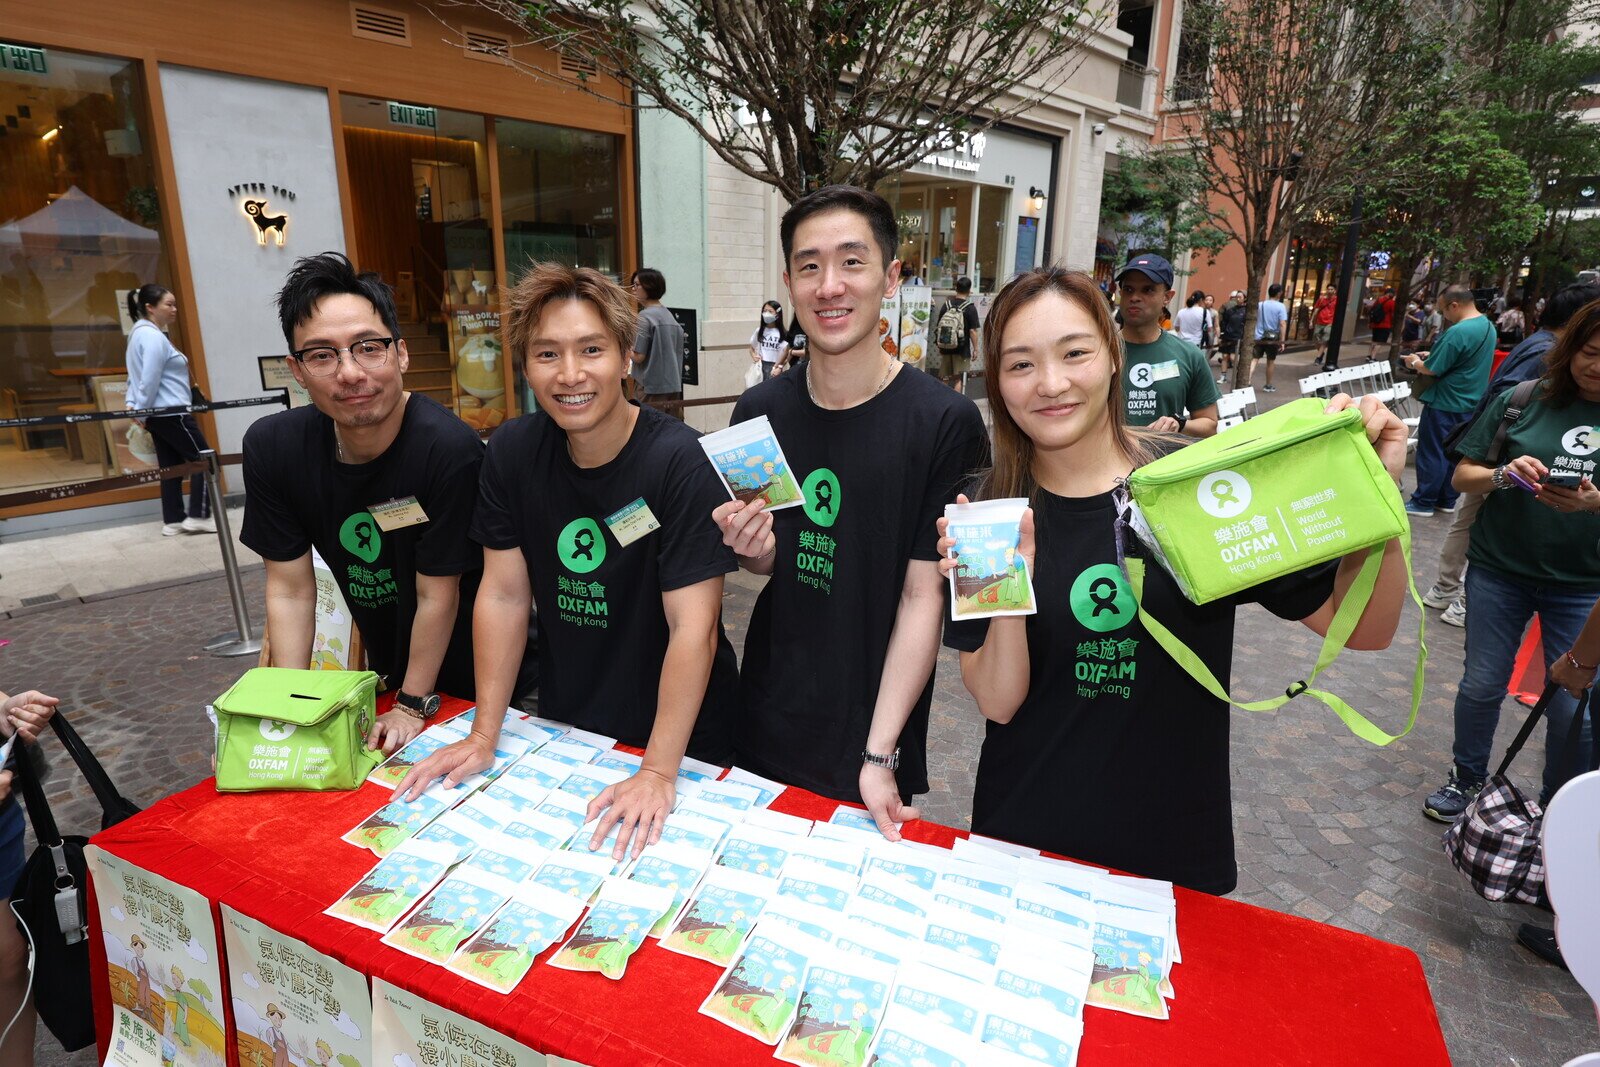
(1437,600)
(193,525)
(1456,613)
(172,529)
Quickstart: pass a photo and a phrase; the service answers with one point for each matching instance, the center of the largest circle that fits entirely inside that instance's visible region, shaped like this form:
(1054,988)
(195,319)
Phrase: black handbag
(50,898)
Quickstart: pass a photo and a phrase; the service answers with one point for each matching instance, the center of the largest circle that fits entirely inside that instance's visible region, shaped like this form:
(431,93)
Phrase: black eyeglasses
(323,360)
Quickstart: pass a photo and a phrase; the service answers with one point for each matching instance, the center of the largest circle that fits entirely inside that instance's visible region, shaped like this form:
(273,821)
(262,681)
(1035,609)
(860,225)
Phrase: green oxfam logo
(581,546)
(1102,600)
(361,537)
(820,496)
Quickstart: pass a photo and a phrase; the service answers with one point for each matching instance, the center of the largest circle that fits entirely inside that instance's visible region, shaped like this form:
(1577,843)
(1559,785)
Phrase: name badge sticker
(398,513)
(632,522)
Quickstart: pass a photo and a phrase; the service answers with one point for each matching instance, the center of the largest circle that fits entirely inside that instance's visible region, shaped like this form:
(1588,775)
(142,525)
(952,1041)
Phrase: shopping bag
(1284,491)
(49,898)
(753,376)
(281,728)
(1495,842)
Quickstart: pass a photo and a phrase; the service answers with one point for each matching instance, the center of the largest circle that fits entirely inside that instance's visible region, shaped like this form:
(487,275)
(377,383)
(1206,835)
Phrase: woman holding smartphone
(1099,746)
(1532,549)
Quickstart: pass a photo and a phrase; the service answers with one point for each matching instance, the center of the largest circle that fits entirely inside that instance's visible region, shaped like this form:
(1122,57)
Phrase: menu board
(475,356)
(916,311)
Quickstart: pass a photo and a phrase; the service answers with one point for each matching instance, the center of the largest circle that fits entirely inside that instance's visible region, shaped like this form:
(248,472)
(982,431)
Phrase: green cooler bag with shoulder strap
(1279,493)
(280,728)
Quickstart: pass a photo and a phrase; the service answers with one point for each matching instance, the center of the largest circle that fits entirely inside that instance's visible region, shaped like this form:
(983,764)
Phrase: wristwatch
(423,708)
(891,761)
(1498,478)
(1183,420)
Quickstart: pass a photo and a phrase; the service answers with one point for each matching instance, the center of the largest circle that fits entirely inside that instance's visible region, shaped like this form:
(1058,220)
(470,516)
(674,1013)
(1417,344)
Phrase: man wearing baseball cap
(1162,374)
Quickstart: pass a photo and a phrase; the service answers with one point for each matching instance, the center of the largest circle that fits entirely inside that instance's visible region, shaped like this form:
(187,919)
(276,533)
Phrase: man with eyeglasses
(381,482)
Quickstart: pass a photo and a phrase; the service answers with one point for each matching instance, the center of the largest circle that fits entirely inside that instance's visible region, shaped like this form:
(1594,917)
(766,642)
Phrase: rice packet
(990,578)
(750,462)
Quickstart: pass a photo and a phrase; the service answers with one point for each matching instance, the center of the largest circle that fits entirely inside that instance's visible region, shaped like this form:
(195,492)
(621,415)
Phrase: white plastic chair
(1229,422)
(1247,400)
(1572,871)
(1228,405)
(1314,382)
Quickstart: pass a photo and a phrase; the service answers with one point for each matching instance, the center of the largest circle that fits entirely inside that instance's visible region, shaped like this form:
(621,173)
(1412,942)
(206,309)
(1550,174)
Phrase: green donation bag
(1279,493)
(279,728)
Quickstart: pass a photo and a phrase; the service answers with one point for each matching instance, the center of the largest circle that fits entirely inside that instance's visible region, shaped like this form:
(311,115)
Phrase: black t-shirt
(602,624)
(875,479)
(297,496)
(1117,756)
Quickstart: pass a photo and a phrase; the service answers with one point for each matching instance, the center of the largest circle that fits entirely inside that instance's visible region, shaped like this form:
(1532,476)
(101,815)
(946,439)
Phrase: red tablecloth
(1256,986)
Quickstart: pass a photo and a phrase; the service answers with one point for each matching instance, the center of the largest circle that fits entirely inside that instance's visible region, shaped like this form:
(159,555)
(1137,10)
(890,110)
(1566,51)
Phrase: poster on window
(411,1031)
(889,325)
(129,445)
(916,308)
(161,958)
(292,1005)
(480,383)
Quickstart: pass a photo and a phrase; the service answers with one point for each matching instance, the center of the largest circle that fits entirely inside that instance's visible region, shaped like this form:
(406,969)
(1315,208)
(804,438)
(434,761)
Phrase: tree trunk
(1255,274)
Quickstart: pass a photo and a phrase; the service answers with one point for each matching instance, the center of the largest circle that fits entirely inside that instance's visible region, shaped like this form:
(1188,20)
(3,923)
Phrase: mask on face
(768,317)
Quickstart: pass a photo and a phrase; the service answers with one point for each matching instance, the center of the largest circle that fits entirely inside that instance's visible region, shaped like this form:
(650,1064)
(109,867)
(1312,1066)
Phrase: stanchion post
(247,643)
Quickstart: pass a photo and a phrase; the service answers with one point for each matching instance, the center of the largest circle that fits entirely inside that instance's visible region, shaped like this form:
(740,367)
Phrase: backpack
(1375,313)
(952,326)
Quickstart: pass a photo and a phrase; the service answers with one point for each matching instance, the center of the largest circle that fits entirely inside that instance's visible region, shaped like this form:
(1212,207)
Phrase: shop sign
(22,59)
(966,155)
(423,118)
(689,321)
(257,206)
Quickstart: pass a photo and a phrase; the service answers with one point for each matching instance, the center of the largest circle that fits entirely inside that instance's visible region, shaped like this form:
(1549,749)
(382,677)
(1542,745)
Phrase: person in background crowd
(24,715)
(909,276)
(956,362)
(631,637)
(1322,313)
(766,344)
(657,353)
(1209,330)
(795,355)
(1522,363)
(314,475)
(1191,321)
(1511,324)
(1166,320)
(1455,373)
(837,677)
(1052,742)
(158,377)
(1231,332)
(1411,331)
(1432,323)
(1165,376)
(1272,323)
(1531,551)
(1380,316)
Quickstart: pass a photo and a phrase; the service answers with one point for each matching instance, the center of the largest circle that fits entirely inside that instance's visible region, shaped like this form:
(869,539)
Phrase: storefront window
(80,225)
(988,270)
(558,196)
(419,180)
(559,200)
(949,229)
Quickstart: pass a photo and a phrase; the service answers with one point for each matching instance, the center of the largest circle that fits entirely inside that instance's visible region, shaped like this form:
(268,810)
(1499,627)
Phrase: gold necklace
(887,371)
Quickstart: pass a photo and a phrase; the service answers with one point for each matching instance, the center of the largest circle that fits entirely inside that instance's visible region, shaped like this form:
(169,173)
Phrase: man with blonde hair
(597,510)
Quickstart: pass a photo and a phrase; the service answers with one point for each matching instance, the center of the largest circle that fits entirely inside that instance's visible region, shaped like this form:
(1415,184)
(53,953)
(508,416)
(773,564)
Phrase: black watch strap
(423,707)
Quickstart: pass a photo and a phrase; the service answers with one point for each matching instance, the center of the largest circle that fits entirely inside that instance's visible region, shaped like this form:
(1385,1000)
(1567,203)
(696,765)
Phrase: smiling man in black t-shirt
(838,660)
(597,509)
(381,482)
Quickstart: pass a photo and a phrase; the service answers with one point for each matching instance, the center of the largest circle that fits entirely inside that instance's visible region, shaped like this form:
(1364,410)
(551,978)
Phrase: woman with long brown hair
(1098,745)
(1532,549)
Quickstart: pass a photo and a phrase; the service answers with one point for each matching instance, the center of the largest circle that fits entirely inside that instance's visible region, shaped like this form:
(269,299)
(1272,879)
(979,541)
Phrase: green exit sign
(424,118)
(21,58)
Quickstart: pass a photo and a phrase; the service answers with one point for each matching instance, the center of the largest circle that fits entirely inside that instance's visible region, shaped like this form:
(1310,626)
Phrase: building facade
(204,147)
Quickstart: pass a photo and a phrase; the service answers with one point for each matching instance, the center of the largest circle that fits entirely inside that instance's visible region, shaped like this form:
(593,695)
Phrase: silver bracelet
(1499,479)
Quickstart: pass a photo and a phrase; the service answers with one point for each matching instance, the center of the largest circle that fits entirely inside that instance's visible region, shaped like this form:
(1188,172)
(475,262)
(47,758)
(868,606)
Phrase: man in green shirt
(1162,374)
(1454,375)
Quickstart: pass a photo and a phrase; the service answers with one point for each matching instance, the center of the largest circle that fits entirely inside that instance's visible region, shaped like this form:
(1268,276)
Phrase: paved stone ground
(1328,827)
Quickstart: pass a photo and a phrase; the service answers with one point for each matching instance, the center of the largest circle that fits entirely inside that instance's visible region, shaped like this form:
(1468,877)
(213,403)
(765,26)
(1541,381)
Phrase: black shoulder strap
(1521,394)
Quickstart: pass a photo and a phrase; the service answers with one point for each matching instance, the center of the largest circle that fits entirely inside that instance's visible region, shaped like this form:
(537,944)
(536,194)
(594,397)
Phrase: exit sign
(21,58)
(424,118)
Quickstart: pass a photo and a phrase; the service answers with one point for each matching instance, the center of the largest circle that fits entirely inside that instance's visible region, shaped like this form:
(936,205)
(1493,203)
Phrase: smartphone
(1563,479)
(1520,482)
